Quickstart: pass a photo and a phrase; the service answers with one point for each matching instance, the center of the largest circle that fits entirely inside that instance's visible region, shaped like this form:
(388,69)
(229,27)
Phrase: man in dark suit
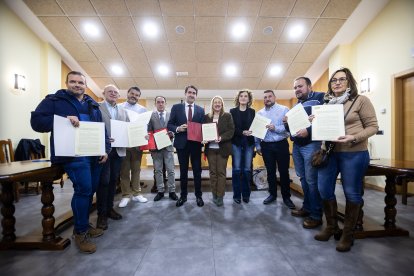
(180,115)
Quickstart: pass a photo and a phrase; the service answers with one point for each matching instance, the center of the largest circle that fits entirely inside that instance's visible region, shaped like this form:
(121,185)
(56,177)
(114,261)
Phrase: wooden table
(29,171)
(395,172)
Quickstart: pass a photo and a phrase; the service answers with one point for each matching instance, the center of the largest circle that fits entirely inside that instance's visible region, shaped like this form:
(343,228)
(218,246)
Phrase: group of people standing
(100,174)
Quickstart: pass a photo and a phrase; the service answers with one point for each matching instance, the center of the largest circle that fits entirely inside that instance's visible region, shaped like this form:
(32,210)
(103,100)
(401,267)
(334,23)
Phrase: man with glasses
(110,173)
(303,148)
(186,149)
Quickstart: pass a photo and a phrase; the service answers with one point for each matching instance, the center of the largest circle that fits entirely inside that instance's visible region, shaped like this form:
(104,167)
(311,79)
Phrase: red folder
(194,131)
(151,143)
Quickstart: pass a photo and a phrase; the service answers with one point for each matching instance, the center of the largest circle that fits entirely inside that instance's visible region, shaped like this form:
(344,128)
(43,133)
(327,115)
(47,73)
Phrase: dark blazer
(225,128)
(178,117)
(238,131)
(155,124)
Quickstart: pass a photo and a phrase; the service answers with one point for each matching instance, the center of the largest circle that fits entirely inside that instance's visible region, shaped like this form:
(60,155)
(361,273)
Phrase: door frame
(397,148)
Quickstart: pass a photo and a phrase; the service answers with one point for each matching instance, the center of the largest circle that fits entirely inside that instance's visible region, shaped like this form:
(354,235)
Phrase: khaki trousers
(217,165)
(130,172)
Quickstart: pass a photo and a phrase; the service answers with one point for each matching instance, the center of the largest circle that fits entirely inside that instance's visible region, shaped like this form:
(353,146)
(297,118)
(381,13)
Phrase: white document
(142,118)
(297,119)
(209,131)
(86,140)
(162,140)
(258,127)
(328,123)
(119,131)
(136,134)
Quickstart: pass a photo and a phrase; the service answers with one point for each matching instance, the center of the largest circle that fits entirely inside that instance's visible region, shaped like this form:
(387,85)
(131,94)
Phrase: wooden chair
(7,156)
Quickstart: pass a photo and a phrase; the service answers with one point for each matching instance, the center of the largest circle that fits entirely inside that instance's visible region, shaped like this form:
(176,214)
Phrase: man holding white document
(165,155)
(274,148)
(131,165)
(303,148)
(111,170)
(84,171)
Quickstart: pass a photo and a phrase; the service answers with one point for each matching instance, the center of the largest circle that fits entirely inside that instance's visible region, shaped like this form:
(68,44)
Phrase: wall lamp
(19,82)
(365,85)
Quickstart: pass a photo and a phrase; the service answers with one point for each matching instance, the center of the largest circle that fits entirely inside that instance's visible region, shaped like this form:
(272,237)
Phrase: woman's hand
(345,139)
(218,140)
(247,132)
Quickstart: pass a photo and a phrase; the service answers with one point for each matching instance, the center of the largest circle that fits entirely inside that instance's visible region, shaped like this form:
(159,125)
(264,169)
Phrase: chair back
(6,151)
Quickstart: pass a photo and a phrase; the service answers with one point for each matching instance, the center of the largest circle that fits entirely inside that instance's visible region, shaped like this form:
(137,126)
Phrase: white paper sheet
(297,119)
(119,132)
(162,140)
(328,123)
(258,127)
(141,118)
(209,131)
(136,134)
(63,136)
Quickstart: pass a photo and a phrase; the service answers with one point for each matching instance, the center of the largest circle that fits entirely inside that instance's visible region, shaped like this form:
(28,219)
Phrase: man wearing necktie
(159,119)
(187,150)
(110,173)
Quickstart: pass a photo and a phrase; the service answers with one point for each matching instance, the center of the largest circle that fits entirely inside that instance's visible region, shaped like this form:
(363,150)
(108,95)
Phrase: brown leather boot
(102,222)
(351,217)
(84,243)
(329,208)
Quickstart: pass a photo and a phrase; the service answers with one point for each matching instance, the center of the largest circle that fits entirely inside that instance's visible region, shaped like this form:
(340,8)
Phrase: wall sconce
(19,82)
(365,85)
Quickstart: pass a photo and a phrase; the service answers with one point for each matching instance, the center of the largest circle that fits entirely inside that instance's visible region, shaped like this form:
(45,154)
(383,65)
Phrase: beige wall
(22,52)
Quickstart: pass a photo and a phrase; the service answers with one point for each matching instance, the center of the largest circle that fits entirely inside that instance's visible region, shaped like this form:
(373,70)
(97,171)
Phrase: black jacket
(28,146)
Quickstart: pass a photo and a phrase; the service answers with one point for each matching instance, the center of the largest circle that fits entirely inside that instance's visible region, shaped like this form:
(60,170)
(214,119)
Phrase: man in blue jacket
(180,115)
(84,172)
(303,148)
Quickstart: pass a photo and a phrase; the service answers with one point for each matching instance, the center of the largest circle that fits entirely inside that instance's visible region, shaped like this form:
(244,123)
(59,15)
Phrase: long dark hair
(352,84)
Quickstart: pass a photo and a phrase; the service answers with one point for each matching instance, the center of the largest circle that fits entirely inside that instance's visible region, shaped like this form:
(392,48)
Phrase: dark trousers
(192,151)
(276,154)
(107,185)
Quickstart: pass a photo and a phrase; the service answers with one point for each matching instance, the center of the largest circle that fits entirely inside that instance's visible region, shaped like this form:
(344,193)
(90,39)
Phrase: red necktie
(190,113)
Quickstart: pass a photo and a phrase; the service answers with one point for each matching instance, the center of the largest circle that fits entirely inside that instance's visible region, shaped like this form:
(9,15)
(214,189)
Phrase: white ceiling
(206,46)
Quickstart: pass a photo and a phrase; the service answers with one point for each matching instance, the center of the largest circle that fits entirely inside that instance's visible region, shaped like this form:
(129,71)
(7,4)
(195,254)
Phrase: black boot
(329,208)
(351,217)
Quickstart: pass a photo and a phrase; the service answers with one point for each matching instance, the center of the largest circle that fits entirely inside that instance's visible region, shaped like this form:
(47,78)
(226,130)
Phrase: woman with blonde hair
(350,157)
(242,145)
(219,150)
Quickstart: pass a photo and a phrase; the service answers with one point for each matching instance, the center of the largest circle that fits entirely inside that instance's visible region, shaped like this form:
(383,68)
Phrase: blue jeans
(302,157)
(84,173)
(242,157)
(352,166)
(105,192)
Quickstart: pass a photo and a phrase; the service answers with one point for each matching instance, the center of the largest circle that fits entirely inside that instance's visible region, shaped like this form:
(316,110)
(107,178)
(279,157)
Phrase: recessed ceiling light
(268,30)
(163,70)
(230,70)
(296,31)
(275,70)
(239,30)
(117,70)
(150,29)
(91,29)
(180,29)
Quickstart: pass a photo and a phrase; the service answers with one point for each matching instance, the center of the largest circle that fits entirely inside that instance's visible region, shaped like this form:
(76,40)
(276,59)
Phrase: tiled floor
(157,238)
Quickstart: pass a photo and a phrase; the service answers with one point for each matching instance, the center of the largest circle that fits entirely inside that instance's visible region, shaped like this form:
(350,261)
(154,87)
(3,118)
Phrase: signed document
(297,119)
(209,132)
(258,127)
(119,131)
(86,140)
(162,139)
(136,135)
(328,123)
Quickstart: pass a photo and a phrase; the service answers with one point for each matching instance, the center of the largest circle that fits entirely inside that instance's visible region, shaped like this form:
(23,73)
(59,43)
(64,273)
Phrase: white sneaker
(139,198)
(124,202)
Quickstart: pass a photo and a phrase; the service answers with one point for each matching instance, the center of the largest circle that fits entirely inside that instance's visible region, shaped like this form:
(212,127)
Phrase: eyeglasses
(341,80)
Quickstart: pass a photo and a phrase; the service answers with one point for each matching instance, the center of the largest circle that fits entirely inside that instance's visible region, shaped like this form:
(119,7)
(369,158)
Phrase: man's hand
(303,133)
(311,117)
(147,137)
(73,120)
(111,140)
(103,158)
(270,127)
(284,120)
(182,128)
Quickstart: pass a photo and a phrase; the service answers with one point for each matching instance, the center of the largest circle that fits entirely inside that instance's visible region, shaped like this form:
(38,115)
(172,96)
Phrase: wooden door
(408,118)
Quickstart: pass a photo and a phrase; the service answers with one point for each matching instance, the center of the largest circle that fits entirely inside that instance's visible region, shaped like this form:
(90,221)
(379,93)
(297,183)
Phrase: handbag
(320,158)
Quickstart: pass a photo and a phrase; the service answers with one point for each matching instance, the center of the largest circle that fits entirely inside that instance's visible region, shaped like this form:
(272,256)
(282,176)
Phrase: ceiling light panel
(231,70)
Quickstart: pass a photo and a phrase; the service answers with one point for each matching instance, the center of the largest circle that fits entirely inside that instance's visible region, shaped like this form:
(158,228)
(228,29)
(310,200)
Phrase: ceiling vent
(181,74)
(180,29)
